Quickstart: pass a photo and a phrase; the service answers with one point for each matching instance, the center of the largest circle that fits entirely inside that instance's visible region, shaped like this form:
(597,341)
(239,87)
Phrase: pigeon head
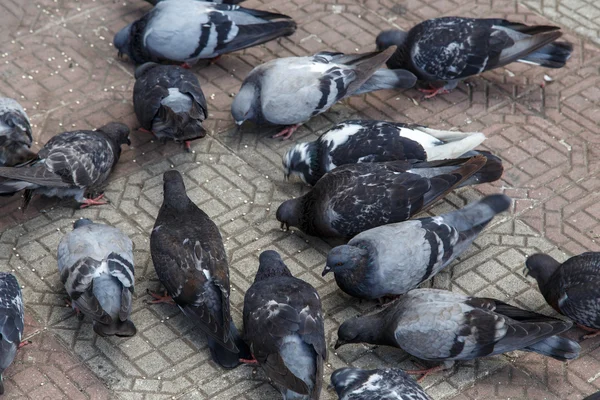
(298,161)
(82,222)
(271,265)
(122,41)
(394,37)
(288,213)
(144,68)
(117,132)
(541,267)
(345,257)
(174,190)
(366,329)
(242,108)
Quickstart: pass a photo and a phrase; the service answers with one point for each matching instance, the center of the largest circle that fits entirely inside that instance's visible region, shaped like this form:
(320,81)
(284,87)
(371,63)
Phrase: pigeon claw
(187,146)
(186,66)
(593,332)
(424,372)
(93,202)
(23,343)
(287,132)
(433,92)
(160,299)
(249,361)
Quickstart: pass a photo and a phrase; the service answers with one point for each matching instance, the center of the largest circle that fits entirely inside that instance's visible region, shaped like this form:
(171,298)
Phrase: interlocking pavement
(58,61)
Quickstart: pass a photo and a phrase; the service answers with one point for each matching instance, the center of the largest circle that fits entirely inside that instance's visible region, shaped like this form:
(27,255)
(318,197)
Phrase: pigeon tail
(553,55)
(388,79)
(255,34)
(477,215)
(457,143)
(557,347)
(226,358)
(185,125)
(490,172)
(116,328)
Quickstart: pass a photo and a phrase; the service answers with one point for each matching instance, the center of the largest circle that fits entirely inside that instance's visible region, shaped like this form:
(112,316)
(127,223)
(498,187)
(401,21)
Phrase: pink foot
(249,362)
(187,145)
(425,372)
(93,202)
(23,343)
(214,60)
(433,92)
(186,66)
(160,299)
(145,131)
(593,332)
(287,132)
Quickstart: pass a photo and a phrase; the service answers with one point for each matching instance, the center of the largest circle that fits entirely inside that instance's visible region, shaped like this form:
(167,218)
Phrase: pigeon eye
(339,264)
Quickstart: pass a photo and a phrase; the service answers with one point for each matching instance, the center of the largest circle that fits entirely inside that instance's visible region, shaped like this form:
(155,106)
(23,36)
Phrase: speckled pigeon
(186,31)
(443,51)
(169,102)
(376,384)
(191,263)
(571,288)
(70,164)
(359,141)
(392,259)
(356,197)
(292,90)
(283,325)
(15,134)
(95,262)
(11,321)
(439,325)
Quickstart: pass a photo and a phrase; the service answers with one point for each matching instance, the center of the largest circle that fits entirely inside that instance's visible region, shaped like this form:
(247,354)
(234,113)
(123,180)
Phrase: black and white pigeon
(95,262)
(358,141)
(11,321)
(439,325)
(390,260)
(356,197)
(15,134)
(443,51)
(169,102)
(289,91)
(376,384)
(571,288)
(284,328)
(191,263)
(70,164)
(185,31)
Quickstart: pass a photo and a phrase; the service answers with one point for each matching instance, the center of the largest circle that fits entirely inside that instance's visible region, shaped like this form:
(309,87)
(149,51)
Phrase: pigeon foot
(77,311)
(93,202)
(214,60)
(187,146)
(593,334)
(249,362)
(160,299)
(23,343)
(424,372)
(186,66)
(433,92)
(287,132)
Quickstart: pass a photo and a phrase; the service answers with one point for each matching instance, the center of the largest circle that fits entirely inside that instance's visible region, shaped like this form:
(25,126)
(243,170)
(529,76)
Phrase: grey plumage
(571,288)
(376,384)
(15,134)
(284,328)
(438,325)
(70,164)
(392,259)
(168,101)
(186,31)
(95,262)
(11,321)
(291,90)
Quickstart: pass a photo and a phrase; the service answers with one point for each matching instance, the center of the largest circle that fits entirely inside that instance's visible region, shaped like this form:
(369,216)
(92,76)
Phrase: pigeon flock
(368,180)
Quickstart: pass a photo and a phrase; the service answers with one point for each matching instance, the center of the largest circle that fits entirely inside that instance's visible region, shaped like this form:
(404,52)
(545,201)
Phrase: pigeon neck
(374,330)
(289,212)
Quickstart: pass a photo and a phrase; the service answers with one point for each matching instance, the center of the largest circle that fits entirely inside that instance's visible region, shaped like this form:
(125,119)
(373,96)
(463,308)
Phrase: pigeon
(439,325)
(70,164)
(594,396)
(11,321)
(95,262)
(356,197)
(443,51)
(571,288)
(169,102)
(15,134)
(185,31)
(376,384)
(289,91)
(357,141)
(390,260)
(284,328)
(191,263)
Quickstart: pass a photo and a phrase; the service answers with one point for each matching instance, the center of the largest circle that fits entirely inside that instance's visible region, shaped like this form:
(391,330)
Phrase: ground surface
(57,60)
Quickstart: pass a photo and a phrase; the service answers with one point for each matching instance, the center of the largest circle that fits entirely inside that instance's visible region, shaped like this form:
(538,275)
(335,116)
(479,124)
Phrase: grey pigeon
(186,31)
(376,384)
(443,51)
(15,134)
(169,102)
(95,262)
(358,141)
(191,263)
(356,197)
(11,321)
(571,288)
(70,164)
(439,325)
(290,91)
(284,328)
(392,259)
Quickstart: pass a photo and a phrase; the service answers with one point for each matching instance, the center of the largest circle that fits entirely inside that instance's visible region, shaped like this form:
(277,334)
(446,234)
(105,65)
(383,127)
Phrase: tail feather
(557,347)
(226,358)
(490,172)
(388,79)
(478,214)
(255,34)
(365,65)
(178,126)
(456,146)
(553,55)
(116,328)
(522,48)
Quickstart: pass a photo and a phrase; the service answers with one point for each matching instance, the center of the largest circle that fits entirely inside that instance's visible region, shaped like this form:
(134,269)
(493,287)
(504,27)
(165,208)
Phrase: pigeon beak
(525,271)
(330,388)
(239,127)
(128,142)
(326,270)
(339,344)
(282,225)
